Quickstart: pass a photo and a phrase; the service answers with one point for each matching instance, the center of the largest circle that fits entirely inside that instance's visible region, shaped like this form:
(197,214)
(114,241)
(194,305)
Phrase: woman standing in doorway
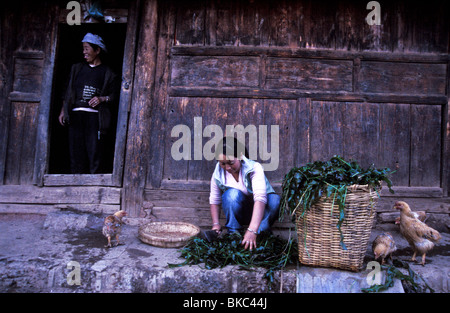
(90,92)
(241,188)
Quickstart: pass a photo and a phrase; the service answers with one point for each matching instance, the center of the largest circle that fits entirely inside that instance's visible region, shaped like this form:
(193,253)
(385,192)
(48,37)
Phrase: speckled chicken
(383,246)
(420,236)
(112,227)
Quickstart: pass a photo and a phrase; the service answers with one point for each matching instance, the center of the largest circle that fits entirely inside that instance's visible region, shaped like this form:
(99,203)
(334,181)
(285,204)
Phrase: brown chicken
(112,227)
(383,246)
(420,215)
(419,236)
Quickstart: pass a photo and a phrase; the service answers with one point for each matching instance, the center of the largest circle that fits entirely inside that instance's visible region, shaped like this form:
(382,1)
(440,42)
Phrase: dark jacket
(108,89)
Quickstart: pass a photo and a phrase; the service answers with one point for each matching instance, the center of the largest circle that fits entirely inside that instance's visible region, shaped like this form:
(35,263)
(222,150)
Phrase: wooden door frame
(41,176)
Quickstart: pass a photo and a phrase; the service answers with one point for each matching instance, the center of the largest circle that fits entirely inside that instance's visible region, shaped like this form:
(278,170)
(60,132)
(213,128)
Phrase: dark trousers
(85,146)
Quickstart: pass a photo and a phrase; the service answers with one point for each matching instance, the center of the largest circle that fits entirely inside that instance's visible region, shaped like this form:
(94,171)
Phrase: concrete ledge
(325,280)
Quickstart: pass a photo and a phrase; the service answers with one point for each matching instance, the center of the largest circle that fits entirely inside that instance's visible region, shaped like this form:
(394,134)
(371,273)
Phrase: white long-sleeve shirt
(258,185)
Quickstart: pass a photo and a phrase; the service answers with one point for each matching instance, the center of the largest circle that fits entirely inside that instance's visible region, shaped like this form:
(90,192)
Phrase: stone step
(38,254)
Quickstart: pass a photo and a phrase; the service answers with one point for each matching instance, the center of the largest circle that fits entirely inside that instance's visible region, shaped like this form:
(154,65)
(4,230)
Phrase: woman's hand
(97,100)
(249,240)
(61,118)
(217,228)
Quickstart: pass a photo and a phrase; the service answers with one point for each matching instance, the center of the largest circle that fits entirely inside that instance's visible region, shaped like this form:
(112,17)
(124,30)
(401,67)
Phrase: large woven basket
(319,237)
(168,234)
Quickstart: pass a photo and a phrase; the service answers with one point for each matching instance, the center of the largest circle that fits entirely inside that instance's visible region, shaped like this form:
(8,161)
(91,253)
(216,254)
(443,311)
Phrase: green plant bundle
(304,186)
(272,253)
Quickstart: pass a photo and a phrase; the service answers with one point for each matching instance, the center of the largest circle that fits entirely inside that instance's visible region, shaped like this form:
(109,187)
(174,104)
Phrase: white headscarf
(95,39)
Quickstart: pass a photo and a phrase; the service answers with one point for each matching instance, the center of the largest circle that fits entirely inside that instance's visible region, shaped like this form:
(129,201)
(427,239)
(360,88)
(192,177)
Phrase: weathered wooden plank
(41,161)
(361,132)
(140,125)
(28,149)
(190,21)
(44,209)
(318,24)
(281,30)
(422,27)
(303,131)
(259,93)
(394,144)
(428,204)
(326,130)
(78,180)
(17,96)
(175,169)
(200,217)
(413,192)
(253,115)
(15,137)
(404,98)
(426,145)
(7,26)
(158,129)
(21,144)
(28,74)
(214,71)
(309,74)
(403,78)
(281,115)
(125,92)
(251,22)
(283,52)
(173,198)
(198,167)
(226,27)
(59,195)
(349,30)
(191,185)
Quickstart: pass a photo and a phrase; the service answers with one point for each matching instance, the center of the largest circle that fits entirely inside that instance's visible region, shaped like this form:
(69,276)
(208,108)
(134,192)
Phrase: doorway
(69,52)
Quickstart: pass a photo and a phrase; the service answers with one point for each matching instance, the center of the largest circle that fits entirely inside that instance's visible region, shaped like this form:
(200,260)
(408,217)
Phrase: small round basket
(168,234)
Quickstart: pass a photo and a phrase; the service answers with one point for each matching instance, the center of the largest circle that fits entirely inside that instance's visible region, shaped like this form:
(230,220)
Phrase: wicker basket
(319,237)
(168,234)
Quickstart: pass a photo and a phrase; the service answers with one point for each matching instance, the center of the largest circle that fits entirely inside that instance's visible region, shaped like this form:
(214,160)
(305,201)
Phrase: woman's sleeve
(112,86)
(215,195)
(259,184)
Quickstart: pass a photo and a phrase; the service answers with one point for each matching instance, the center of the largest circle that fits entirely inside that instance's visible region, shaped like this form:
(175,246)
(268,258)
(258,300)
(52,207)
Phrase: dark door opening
(69,52)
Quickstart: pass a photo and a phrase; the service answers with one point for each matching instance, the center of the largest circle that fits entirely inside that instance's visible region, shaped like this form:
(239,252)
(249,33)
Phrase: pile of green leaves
(272,253)
(304,186)
(411,282)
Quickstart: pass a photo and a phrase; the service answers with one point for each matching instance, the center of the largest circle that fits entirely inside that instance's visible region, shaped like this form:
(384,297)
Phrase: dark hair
(95,47)
(231,146)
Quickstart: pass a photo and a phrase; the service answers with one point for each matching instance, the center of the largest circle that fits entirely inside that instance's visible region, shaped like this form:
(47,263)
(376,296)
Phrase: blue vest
(247,167)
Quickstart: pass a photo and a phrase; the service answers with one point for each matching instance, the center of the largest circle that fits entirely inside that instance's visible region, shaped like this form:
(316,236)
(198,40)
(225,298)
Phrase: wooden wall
(333,84)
